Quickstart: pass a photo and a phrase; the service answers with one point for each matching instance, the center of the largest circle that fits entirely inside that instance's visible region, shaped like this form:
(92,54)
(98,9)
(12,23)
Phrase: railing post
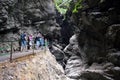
(11,51)
(46,44)
(33,48)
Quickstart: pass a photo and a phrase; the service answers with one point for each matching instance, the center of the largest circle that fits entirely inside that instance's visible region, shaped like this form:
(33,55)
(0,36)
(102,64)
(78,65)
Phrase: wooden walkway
(19,54)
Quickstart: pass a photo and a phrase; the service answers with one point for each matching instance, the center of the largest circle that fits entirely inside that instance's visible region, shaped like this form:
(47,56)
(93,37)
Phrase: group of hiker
(32,41)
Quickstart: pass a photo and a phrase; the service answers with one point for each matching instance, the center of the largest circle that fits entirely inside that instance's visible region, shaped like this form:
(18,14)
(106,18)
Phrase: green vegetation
(62,5)
(77,6)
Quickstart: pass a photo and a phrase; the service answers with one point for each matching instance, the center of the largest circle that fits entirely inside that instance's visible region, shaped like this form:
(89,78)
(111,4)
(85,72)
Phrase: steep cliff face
(41,66)
(24,13)
(95,49)
(27,15)
(98,24)
(30,16)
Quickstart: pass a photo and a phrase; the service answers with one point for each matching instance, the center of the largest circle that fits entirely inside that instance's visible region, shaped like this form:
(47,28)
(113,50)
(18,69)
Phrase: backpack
(23,37)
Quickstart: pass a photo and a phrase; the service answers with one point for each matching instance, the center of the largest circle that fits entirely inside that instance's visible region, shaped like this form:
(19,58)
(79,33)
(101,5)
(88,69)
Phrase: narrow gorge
(83,39)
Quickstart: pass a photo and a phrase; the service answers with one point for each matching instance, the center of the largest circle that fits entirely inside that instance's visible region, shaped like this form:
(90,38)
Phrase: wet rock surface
(77,66)
(96,49)
(59,54)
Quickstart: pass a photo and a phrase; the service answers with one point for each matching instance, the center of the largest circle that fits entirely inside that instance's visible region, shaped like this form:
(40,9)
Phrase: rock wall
(93,52)
(24,13)
(30,16)
(41,66)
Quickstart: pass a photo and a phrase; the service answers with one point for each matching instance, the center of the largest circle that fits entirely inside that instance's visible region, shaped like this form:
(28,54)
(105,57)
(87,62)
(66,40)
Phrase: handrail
(4,48)
(11,48)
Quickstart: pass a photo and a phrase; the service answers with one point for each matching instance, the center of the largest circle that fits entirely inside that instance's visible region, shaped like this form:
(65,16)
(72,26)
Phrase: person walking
(23,38)
(30,38)
(42,42)
(37,40)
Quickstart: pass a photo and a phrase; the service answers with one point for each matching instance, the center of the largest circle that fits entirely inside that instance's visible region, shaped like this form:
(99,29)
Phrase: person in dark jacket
(23,39)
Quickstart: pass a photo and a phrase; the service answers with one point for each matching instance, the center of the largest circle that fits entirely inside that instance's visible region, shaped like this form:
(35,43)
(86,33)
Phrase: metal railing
(10,47)
(6,48)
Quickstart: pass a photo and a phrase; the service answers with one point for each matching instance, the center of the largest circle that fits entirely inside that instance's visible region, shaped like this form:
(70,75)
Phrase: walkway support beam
(11,51)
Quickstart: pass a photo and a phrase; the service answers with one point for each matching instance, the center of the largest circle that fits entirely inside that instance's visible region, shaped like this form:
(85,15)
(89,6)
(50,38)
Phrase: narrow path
(19,54)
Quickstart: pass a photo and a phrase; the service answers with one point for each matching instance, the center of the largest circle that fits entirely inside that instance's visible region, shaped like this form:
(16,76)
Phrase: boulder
(114,58)
(59,54)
